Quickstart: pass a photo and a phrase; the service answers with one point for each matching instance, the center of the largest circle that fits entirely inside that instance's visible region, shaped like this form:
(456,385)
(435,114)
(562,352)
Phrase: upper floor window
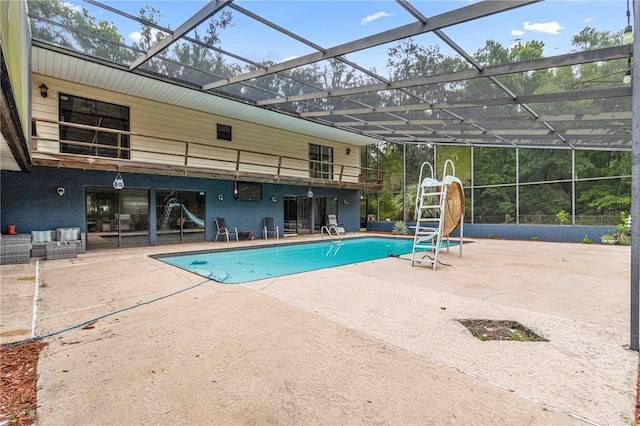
(320,162)
(224,132)
(77,110)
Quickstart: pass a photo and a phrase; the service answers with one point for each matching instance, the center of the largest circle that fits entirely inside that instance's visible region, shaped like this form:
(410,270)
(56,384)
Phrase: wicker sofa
(15,249)
(72,235)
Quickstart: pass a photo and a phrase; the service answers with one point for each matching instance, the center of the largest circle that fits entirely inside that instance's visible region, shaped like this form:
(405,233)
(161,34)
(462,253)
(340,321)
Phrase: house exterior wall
(175,124)
(30,201)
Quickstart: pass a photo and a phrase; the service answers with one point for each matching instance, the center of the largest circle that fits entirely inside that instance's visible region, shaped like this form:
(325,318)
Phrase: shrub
(400,228)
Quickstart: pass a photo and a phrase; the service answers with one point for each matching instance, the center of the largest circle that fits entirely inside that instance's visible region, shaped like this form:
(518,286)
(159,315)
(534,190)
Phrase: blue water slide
(195,219)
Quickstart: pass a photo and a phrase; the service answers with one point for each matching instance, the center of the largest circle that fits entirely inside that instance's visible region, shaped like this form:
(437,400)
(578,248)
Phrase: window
(74,109)
(249,191)
(224,132)
(320,162)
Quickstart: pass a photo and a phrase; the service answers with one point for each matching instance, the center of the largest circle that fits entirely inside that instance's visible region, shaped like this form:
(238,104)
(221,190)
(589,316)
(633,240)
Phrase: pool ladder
(329,233)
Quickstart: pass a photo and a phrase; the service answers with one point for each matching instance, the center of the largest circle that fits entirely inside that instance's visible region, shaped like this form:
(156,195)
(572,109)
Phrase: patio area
(373,342)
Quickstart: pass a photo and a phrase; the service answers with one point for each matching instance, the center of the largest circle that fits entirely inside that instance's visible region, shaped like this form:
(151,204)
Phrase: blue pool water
(243,265)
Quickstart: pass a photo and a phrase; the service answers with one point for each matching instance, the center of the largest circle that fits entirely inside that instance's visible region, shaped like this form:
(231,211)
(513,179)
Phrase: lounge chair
(224,230)
(270,228)
(333,224)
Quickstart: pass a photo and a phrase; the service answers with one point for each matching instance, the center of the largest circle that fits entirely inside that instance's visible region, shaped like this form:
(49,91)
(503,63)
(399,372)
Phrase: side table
(60,251)
(246,235)
(15,249)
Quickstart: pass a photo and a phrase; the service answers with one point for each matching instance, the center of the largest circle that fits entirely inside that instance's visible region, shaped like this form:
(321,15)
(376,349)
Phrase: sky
(331,23)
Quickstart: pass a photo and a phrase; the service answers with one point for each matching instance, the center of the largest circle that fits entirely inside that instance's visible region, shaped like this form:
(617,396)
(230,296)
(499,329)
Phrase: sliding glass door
(181,216)
(301,212)
(117,218)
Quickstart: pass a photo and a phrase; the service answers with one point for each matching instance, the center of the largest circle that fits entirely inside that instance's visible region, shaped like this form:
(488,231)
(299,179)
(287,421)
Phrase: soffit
(57,64)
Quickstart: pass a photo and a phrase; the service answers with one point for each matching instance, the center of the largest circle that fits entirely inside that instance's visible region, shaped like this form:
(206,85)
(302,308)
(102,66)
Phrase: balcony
(158,155)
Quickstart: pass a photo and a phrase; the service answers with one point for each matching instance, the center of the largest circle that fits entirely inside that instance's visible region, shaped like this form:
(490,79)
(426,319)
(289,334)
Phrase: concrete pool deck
(373,342)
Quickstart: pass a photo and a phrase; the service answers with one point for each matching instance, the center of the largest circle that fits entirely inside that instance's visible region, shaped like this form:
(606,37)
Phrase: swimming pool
(250,264)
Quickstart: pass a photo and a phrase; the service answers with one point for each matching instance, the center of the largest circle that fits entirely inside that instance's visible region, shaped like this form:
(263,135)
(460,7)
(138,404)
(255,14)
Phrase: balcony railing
(161,155)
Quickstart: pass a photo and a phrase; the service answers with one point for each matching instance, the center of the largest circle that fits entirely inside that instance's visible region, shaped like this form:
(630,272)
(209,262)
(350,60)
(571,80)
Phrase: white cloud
(544,27)
(135,36)
(517,32)
(373,17)
(74,7)
(586,21)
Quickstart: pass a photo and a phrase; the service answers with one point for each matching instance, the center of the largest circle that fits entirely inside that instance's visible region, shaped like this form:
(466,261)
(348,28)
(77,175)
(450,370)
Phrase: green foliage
(481,337)
(389,207)
(518,336)
(400,228)
(107,43)
(562,217)
(586,240)
(622,234)
(492,237)
(535,238)
(623,230)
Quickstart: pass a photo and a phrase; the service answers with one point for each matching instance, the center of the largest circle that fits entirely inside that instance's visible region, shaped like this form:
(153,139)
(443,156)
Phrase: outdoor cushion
(41,236)
(68,234)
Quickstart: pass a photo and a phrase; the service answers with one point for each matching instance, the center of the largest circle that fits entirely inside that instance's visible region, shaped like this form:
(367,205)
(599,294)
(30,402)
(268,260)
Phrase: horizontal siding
(179,126)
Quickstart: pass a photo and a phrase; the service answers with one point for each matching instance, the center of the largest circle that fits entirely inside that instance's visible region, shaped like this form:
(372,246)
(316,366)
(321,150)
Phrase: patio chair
(333,224)
(270,228)
(224,230)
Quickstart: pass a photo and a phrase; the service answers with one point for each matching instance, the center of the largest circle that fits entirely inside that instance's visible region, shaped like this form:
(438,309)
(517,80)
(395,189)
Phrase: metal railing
(180,153)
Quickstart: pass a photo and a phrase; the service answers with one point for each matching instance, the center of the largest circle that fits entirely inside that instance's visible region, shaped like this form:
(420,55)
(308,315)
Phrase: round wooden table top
(453,209)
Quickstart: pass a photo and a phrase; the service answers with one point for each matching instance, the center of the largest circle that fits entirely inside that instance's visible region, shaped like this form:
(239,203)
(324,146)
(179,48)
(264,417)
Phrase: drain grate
(485,329)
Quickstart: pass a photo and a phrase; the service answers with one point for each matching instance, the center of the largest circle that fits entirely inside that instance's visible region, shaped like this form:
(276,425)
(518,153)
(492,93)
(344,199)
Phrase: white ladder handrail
(328,229)
(426,163)
(453,169)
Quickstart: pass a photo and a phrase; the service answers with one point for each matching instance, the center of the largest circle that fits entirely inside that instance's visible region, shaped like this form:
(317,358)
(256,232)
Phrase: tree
(52,19)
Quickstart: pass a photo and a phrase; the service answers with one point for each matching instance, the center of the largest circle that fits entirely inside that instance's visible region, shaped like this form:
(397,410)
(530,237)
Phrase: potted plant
(623,230)
(609,239)
(622,234)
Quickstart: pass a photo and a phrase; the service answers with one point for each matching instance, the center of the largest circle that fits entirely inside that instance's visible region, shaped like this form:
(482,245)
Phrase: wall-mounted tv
(249,191)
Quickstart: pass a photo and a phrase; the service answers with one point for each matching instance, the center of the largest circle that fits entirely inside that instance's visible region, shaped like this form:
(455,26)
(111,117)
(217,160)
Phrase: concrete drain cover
(500,330)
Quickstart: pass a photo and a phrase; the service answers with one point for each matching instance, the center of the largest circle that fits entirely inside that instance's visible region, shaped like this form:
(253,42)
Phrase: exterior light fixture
(235,189)
(627,75)
(627,36)
(43,90)
(118,182)
(60,191)
(221,197)
(345,201)
(310,193)
(348,151)
(274,199)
